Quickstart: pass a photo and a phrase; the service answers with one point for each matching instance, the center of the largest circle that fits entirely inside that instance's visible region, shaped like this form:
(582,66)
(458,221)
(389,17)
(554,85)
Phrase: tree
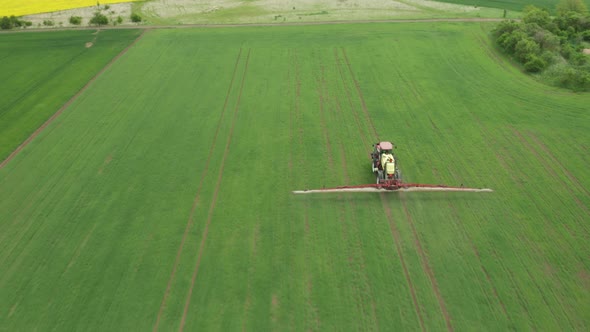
(509,40)
(525,49)
(99,19)
(16,22)
(547,40)
(535,64)
(135,18)
(506,27)
(75,20)
(536,15)
(577,6)
(571,22)
(5,23)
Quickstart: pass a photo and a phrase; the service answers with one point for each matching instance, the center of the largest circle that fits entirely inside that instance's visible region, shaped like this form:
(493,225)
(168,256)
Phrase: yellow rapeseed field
(26,7)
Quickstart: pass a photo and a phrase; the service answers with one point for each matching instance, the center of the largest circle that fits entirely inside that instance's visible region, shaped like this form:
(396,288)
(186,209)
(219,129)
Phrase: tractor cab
(384,164)
(381,148)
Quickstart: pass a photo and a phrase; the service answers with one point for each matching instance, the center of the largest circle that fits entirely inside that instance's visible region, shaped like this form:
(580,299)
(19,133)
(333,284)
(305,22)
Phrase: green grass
(514,5)
(92,213)
(42,71)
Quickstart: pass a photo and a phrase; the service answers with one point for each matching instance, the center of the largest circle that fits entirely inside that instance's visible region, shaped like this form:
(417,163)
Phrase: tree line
(98,19)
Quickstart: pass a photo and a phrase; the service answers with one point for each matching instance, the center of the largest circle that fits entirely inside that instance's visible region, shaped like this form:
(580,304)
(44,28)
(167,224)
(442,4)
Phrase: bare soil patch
(586,51)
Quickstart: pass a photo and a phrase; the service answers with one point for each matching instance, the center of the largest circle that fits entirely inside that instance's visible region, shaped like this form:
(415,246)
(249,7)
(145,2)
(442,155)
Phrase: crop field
(44,71)
(517,5)
(160,199)
(28,7)
(280,12)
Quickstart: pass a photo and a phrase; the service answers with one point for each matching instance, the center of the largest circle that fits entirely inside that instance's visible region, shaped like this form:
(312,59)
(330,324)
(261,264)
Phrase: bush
(135,18)
(549,57)
(119,20)
(75,20)
(535,64)
(48,23)
(99,19)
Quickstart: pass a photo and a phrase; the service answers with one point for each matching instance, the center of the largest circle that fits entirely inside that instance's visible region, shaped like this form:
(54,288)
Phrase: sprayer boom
(384,166)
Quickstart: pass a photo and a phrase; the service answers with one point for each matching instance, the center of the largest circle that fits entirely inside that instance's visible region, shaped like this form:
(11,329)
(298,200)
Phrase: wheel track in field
(215,195)
(397,240)
(321,90)
(190,220)
(338,114)
(493,143)
(550,171)
(394,231)
(314,316)
(503,163)
(426,266)
(323,98)
(349,98)
(557,162)
(519,296)
(457,219)
(424,258)
(544,297)
(482,267)
(530,245)
(455,216)
(70,101)
(360,94)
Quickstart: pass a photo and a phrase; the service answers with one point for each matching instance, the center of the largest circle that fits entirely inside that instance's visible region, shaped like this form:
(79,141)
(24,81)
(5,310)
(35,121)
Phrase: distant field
(160,199)
(277,12)
(27,7)
(46,70)
(515,5)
